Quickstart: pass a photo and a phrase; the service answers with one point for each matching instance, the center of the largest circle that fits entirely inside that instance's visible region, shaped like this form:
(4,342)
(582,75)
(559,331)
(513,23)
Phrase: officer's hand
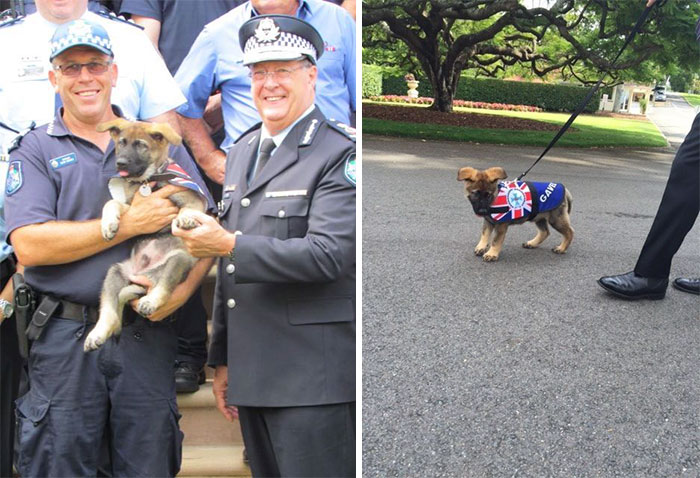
(208,239)
(650,3)
(149,214)
(214,165)
(219,389)
(174,302)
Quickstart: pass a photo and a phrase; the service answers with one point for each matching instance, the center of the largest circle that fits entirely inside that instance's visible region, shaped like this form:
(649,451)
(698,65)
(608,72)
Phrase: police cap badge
(80,32)
(278,38)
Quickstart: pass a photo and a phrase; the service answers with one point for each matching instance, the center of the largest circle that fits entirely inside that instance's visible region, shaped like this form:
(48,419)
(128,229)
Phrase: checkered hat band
(286,42)
(88,39)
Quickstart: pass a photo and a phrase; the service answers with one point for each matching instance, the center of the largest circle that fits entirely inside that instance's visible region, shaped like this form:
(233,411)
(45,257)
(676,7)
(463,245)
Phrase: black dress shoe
(632,287)
(188,377)
(688,285)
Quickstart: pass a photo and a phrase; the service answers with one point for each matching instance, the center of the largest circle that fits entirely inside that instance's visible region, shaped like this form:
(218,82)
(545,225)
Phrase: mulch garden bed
(471,120)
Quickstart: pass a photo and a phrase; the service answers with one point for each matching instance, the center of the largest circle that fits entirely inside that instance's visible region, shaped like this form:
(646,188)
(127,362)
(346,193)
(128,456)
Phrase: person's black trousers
(313,442)
(677,212)
(10,370)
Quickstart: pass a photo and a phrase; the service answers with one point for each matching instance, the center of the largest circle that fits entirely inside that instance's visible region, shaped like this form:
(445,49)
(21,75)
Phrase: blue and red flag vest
(524,200)
(173,174)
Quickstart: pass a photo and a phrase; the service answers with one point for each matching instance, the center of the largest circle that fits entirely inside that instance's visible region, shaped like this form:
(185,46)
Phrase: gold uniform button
(230,268)
(245,202)
(231,303)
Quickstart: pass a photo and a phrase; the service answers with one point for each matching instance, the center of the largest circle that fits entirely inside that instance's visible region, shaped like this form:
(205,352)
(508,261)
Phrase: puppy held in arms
(142,158)
(502,203)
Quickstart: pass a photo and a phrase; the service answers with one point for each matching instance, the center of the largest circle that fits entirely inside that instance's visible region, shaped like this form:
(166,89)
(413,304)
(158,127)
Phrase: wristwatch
(6,308)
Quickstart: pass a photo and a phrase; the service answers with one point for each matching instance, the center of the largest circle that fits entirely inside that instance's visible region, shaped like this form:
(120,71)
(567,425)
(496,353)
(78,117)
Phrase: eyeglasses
(278,74)
(74,69)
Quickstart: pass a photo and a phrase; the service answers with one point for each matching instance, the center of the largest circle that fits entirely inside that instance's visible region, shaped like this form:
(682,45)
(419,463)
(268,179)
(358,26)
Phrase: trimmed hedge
(542,95)
(371,81)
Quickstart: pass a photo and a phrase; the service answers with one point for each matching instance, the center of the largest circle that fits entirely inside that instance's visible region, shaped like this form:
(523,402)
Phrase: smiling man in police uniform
(283,342)
(56,188)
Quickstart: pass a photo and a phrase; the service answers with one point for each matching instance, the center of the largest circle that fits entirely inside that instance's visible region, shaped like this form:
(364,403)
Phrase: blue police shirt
(215,62)
(180,22)
(145,88)
(56,176)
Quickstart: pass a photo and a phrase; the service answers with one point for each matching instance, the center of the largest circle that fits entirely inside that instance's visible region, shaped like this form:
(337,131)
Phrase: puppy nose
(121,163)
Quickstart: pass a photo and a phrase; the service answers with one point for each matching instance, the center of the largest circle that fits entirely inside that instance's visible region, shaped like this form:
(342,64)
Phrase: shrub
(371,80)
(548,97)
(421,100)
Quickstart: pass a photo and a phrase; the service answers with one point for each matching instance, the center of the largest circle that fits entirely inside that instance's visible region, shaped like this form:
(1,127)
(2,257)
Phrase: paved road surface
(524,367)
(673,118)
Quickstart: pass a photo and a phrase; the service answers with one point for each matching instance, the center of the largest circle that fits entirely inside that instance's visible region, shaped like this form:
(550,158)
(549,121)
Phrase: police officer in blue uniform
(56,187)
(283,340)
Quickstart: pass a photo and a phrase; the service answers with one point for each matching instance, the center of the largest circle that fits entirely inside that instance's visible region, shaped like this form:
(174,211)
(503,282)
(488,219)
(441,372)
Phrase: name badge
(286,194)
(31,67)
(65,160)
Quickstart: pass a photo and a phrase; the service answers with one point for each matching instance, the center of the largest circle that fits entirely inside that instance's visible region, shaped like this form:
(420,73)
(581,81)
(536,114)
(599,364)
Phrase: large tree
(574,38)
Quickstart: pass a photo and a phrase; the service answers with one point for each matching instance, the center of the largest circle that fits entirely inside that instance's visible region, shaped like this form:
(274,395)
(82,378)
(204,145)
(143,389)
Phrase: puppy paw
(109,230)
(94,340)
(185,221)
(559,250)
(527,245)
(479,251)
(490,257)
(146,307)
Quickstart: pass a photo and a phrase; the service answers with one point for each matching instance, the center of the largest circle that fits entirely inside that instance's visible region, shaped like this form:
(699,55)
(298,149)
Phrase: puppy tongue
(123,173)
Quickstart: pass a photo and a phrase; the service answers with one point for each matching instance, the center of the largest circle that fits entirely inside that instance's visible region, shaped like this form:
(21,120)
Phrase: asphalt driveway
(524,367)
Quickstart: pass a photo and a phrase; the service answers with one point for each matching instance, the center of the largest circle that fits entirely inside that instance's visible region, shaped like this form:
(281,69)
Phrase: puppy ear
(495,174)
(114,127)
(158,131)
(466,174)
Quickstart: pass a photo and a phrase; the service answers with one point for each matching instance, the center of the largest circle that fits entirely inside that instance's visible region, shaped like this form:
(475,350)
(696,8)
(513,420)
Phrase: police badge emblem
(267,31)
(79,28)
(14,178)
(351,170)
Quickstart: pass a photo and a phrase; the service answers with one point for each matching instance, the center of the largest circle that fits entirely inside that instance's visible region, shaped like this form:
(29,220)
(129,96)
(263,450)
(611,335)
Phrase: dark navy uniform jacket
(56,176)
(284,309)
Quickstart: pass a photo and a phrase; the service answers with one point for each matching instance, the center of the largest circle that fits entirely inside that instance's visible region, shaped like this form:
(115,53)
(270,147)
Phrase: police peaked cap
(80,32)
(279,38)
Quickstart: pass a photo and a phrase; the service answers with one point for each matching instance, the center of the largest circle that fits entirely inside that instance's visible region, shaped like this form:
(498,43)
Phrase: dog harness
(171,173)
(524,200)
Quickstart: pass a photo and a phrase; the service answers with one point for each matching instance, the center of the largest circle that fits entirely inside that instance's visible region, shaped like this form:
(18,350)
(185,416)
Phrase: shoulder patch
(351,169)
(14,178)
(113,16)
(344,129)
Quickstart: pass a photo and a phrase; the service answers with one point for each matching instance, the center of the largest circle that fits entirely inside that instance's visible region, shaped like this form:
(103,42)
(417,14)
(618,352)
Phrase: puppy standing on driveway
(142,158)
(502,203)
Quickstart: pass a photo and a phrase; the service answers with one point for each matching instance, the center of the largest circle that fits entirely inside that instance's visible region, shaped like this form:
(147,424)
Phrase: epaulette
(18,139)
(344,129)
(249,130)
(11,21)
(113,16)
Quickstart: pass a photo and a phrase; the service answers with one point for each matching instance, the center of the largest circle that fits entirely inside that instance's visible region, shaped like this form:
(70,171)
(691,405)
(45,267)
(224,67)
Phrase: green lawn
(592,131)
(694,100)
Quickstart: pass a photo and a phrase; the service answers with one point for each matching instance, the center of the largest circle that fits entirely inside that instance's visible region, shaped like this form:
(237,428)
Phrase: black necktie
(266,149)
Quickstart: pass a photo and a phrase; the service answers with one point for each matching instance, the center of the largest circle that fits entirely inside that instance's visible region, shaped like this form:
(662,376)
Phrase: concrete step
(202,423)
(210,461)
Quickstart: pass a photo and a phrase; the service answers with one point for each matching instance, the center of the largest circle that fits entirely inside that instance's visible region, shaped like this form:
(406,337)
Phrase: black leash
(637,27)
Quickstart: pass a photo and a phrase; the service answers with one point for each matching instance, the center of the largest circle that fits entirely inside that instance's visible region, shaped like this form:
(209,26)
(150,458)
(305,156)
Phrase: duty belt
(50,306)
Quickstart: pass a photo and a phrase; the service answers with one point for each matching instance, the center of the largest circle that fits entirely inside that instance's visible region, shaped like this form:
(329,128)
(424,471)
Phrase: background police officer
(283,342)
(56,187)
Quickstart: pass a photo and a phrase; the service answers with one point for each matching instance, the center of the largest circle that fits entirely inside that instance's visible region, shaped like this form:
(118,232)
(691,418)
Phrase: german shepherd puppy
(483,188)
(142,151)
